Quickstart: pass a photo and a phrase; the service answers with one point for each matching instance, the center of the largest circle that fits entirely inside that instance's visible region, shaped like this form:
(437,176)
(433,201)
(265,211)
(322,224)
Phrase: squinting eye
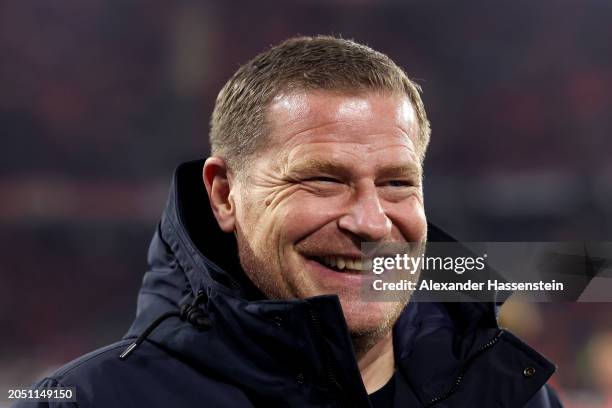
(323,180)
(399,183)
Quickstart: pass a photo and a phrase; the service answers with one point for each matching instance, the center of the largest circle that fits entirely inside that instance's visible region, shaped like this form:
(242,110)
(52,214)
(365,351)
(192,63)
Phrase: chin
(370,318)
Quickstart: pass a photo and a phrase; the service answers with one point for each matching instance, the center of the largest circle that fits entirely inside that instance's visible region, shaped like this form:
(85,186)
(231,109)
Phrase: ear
(218,186)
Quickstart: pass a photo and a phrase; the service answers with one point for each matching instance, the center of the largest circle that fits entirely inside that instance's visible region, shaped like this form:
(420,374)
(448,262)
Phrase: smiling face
(338,170)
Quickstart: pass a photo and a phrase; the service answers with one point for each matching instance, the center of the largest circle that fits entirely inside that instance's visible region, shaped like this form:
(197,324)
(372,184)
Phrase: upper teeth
(341,263)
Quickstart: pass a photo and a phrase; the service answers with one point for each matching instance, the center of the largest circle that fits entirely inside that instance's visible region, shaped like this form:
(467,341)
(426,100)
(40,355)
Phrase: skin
(337,170)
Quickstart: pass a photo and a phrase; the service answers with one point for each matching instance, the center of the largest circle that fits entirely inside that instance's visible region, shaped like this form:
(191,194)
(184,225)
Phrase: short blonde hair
(238,123)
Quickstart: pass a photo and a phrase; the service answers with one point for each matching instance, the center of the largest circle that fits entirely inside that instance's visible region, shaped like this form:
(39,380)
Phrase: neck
(376,364)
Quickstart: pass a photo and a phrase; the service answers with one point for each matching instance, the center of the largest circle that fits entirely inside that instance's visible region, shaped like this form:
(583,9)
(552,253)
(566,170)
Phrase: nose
(366,217)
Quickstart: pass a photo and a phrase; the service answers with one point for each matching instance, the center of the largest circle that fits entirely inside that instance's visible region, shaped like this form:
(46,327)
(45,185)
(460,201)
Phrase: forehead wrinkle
(342,123)
(309,129)
(338,136)
(303,125)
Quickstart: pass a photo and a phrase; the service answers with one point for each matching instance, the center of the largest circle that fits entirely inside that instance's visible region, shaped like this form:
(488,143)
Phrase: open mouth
(343,264)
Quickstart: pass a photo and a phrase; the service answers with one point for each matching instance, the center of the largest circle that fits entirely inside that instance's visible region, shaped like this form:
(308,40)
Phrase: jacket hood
(260,343)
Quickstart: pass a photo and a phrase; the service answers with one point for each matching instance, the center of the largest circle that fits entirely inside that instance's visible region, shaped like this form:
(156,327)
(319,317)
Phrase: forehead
(320,121)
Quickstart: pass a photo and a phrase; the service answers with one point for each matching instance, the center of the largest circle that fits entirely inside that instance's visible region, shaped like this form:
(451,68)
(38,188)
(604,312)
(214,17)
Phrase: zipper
(462,372)
(329,371)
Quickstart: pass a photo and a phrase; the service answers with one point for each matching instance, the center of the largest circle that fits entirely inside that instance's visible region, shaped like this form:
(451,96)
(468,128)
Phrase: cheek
(305,214)
(254,219)
(410,220)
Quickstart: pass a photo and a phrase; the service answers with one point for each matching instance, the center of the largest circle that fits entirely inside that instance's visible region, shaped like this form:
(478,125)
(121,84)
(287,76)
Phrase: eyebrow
(410,170)
(311,166)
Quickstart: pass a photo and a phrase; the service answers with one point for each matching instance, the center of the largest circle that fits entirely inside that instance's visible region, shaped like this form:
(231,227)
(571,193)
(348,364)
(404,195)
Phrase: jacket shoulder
(82,366)
(151,376)
(64,377)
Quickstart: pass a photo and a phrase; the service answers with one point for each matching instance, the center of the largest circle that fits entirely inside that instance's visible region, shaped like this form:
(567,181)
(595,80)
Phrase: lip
(331,277)
(379,252)
(351,255)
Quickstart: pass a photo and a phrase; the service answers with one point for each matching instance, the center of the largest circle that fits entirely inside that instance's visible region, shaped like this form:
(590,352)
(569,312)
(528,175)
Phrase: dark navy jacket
(294,353)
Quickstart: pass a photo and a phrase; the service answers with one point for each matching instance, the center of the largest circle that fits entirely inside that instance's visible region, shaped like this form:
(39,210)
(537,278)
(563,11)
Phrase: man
(253,293)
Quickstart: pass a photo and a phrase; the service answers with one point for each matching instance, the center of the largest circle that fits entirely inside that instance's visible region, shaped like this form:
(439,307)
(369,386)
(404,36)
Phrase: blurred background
(100,100)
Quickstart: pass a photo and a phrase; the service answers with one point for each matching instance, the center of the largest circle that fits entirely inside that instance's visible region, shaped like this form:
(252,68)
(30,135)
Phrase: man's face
(338,170)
